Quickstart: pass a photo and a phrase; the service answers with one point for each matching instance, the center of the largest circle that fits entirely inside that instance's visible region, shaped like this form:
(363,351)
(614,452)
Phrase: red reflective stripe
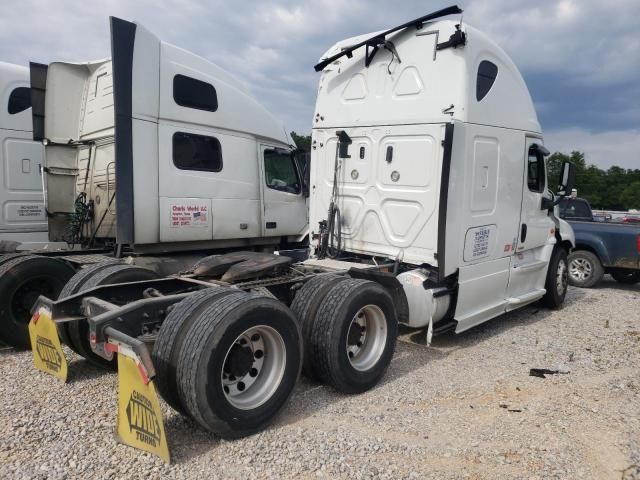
(143,372)
(35,318)
(110,347)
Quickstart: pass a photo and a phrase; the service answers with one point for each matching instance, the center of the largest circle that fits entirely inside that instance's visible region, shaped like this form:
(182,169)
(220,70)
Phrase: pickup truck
(601,247)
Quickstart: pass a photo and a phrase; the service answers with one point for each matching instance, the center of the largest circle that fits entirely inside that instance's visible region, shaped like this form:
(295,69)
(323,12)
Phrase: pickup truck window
(575,209)
(19,100)
(196,152)
(192,93)
(280,171)
(535,171)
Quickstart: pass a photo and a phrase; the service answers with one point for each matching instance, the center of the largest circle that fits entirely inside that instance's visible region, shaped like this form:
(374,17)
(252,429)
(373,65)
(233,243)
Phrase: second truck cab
(159,149)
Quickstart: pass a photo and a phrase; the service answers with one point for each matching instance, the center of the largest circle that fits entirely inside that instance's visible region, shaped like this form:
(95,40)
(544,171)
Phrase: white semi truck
(429,207)
(23,222)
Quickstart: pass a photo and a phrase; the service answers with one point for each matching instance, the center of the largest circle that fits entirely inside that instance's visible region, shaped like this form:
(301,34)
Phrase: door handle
(523,233)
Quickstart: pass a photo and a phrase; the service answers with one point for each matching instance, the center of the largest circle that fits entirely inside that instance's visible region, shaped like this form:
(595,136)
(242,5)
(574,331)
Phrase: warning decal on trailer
(189,216)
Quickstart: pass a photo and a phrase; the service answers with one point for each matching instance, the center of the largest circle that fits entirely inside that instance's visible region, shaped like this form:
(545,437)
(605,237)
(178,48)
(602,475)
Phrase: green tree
(302,141)
(630,196)
(612,189)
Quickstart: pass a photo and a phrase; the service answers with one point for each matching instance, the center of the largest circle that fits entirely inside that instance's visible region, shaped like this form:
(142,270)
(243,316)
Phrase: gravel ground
(464,408)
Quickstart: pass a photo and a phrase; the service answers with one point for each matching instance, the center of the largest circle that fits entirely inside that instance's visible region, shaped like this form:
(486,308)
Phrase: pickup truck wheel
(354,335)
(305,307)
(239,363)
(78,331)
(585,269)
(23,279)
(626,276)
(171,337)
(556,281)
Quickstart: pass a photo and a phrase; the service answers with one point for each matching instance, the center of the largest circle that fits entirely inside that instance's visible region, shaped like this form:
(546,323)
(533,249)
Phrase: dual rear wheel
(229,359)
(349,328)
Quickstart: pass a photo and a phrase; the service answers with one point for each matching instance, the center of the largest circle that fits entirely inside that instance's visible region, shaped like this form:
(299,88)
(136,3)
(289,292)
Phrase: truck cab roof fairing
(422,88)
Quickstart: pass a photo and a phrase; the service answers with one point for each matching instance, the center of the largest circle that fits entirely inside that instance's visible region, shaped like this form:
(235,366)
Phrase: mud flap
(140,422)
(47,351)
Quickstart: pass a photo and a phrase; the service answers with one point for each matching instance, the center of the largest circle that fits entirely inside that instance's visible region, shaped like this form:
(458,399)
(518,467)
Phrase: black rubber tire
(5,257)
(331,327)
(79,330)
(628,277)
(171,337)
(305,307)
(72,287)
(203,353)
(558,265)
(597,272)
(22,280)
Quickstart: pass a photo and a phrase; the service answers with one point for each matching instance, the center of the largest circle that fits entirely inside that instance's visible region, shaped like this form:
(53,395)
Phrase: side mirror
(567,179)
(547,204)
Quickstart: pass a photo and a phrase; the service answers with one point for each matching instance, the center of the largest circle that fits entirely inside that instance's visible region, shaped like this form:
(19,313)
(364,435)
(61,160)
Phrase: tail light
(638,243)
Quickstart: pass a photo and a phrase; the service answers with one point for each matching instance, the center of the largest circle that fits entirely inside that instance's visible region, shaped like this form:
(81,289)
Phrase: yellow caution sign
(45,345)
(140,423)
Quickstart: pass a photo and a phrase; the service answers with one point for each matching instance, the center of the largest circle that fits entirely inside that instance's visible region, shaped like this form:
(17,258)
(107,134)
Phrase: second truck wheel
(23,278)
(77,333)
(354,335)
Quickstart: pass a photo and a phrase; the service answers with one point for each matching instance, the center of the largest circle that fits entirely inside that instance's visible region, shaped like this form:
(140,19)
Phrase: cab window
(196,152)
(193,93)
(535,171)
(19,100)
(487,73)
(280,171)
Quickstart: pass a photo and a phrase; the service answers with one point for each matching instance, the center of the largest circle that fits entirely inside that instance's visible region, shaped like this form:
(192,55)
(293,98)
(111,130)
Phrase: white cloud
(604,149)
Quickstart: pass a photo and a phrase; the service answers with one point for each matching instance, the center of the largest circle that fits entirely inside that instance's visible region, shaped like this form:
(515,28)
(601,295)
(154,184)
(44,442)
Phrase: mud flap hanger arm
(118,339)
(380,39)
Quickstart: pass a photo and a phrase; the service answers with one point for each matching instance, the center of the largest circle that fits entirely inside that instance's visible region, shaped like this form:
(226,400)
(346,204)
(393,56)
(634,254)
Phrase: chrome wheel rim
(366,337)
(253,367)
(580,269)
(561,277)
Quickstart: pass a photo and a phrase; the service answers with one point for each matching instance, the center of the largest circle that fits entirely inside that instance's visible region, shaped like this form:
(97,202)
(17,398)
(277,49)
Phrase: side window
(535,171)
(19,100)
(280,171)
(196,152)
(191,93)
(487,73)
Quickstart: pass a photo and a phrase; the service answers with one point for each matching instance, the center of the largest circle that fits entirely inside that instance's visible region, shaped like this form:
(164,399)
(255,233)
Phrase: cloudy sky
(580,58)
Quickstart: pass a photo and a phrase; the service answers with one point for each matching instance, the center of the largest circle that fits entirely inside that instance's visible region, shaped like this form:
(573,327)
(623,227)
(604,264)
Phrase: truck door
(535,236)
(284,203)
